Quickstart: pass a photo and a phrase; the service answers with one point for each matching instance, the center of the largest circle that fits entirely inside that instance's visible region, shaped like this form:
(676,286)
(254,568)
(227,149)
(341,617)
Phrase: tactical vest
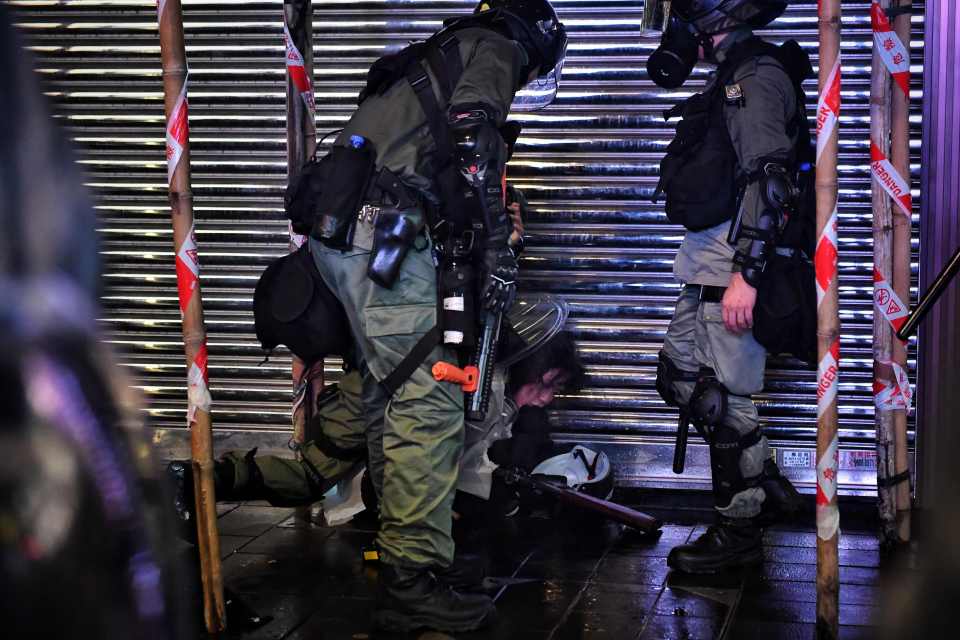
(700,174)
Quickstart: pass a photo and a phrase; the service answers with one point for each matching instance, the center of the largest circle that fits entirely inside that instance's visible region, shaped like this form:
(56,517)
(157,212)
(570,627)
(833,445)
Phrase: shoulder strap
(444,60)
(412,361)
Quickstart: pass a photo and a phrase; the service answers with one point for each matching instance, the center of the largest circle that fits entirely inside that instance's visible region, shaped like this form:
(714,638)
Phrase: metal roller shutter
(588,165)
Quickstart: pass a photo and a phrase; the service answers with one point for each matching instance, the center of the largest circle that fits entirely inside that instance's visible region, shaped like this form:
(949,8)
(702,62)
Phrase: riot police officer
(418,171)
(736,146)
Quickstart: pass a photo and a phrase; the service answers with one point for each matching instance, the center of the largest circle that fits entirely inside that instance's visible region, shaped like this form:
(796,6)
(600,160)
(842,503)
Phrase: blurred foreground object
(80,527)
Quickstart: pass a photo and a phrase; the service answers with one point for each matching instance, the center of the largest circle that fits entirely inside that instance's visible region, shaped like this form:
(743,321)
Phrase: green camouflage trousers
(698,338)
(339,447)
(415,436)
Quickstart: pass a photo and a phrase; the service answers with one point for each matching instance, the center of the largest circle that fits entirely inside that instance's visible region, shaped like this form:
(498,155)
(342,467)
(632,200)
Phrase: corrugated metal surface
(588,165)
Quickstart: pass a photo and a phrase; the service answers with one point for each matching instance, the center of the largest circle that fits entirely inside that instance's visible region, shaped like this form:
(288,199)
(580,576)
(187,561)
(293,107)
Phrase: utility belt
(708,293)
(369,208)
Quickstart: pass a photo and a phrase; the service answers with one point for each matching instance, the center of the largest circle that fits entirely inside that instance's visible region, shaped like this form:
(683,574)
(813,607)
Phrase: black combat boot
(465,573)
(180,474)
(783,501)
(729,544)
(415,598)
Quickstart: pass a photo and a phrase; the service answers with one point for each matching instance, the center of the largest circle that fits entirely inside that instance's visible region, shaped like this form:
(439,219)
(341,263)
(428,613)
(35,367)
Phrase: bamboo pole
(174,64)
(828,322)
(301,144)
(881,85)
(900,157)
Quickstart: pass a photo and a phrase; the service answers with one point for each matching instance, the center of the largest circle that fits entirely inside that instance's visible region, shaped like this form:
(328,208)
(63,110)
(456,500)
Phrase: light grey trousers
(698,338)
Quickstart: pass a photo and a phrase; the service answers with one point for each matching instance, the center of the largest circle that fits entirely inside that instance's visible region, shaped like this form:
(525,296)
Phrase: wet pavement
(553,578)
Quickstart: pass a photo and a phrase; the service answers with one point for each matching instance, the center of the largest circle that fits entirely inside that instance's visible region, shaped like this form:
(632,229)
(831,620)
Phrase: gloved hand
(499,278)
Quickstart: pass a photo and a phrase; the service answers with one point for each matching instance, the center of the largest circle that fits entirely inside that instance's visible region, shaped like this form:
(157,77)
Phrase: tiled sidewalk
(557,579)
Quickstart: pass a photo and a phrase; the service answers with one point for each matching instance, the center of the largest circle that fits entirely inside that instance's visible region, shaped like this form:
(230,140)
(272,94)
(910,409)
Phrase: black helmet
(715,16)
(535,26)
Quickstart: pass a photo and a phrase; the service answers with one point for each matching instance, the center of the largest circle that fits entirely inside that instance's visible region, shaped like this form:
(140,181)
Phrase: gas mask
(685,25)
(672,62)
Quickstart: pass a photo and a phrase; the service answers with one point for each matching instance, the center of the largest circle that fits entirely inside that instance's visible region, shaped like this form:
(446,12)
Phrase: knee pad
(708,402)
(667,374)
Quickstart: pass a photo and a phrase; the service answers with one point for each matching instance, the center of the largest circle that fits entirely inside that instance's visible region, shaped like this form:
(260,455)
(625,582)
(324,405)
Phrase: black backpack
(293,306)
(785,315)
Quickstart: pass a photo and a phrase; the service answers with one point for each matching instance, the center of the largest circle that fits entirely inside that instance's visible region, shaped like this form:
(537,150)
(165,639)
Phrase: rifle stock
(610,510)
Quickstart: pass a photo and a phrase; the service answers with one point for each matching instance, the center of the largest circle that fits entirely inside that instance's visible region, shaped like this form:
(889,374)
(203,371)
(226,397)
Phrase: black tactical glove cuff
(499,277)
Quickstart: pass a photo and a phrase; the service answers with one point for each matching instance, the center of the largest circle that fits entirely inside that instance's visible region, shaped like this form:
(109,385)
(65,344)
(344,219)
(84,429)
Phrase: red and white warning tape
(198,380)
(828,378)
(897,394)
(895,54)
(298,72)
(825,258)
(828,108)
(886,301)
(828,515)
(890,179)
(188,270)
(178,130)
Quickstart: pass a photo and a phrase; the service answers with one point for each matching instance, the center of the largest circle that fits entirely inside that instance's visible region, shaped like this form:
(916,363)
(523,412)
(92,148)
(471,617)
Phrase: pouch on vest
(698,173)
(347,181)
(292,306)
(785,315)
(305,192)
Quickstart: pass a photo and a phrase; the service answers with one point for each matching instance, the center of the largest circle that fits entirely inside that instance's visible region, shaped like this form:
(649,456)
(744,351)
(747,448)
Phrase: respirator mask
(672,62)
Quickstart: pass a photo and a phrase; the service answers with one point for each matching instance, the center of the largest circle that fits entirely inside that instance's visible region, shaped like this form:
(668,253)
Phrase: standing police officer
(735,150)
(418,172)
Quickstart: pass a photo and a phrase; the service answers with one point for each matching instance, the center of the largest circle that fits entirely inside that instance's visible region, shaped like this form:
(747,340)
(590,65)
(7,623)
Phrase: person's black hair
(559,352)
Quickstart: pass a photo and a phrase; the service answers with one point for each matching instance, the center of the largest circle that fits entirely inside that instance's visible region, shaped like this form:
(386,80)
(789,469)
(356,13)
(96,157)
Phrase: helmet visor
(539,93)
(535,320)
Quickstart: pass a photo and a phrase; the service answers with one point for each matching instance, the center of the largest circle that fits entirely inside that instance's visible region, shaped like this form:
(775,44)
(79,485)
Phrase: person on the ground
(735,149)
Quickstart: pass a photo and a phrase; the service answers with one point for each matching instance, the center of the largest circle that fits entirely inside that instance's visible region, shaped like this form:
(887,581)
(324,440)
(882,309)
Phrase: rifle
(610,510)
(484,360)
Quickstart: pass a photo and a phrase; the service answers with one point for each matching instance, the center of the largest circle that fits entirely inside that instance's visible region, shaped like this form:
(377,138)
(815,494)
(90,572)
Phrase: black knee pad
(708,402)
(667,374)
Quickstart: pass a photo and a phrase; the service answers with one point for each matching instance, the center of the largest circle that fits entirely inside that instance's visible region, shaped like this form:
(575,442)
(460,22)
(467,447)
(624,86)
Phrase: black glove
(499,278)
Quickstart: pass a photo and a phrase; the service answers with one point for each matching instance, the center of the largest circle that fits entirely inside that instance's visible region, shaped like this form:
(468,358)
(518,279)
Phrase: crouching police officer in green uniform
(418,172)
(339,444)
(735,150)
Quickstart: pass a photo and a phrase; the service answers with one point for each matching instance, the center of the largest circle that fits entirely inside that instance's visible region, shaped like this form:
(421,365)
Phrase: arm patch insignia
(734,94)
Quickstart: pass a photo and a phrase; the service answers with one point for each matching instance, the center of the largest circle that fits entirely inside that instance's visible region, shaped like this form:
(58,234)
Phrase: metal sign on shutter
(588,164)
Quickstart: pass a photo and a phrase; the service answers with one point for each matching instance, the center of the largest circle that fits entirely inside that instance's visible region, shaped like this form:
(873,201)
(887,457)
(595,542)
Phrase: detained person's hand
(516,237)
(738,301)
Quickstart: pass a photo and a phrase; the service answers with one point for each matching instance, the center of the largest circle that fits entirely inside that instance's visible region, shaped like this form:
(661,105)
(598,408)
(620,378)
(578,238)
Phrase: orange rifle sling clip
(466,377)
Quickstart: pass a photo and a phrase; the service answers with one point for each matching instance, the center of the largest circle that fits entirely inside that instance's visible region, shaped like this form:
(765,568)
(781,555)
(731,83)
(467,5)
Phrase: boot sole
(754,559)
(390,620)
